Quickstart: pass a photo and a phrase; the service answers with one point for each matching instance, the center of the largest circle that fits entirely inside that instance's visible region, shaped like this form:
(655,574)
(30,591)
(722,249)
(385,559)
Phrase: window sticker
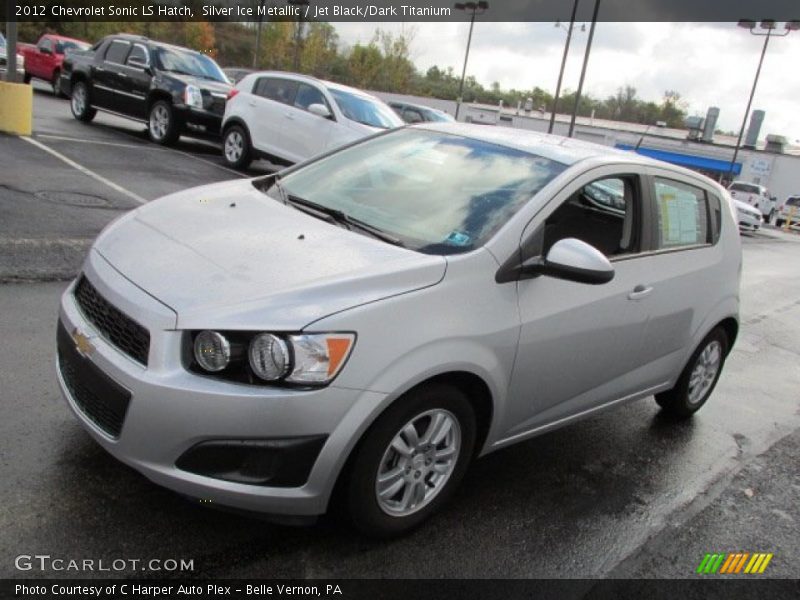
(679,216)
(458,238)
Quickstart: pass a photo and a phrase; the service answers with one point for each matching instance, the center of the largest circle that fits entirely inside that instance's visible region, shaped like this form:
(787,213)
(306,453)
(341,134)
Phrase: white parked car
(747,216)
(288,118)
(789,211)
(755,195)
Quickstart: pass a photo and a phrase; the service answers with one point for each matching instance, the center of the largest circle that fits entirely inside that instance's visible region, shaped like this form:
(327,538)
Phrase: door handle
(101,69)
(639,292)
(123,75)
(252,102)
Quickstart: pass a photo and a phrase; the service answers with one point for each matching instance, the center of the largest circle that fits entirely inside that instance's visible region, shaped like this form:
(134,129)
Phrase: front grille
(99,397)
(117,327)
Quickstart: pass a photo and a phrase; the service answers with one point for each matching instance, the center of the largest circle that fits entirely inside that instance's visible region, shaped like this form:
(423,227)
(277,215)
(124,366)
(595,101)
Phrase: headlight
(212,351)
(246,357)
(319,357)
(269,356)
(192,96)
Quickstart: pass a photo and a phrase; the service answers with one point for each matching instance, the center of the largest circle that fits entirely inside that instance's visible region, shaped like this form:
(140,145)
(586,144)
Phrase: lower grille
(100,398)
(117,327)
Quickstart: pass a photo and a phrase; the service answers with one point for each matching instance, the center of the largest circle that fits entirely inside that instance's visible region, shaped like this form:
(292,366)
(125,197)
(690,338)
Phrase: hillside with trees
(383,64)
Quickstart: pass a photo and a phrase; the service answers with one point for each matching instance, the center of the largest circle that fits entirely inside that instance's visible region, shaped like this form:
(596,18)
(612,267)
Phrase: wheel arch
(473,386)
(156,95)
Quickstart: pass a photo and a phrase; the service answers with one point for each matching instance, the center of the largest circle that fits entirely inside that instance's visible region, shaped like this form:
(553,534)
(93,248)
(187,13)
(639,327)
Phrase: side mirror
(320,110)
(573,260)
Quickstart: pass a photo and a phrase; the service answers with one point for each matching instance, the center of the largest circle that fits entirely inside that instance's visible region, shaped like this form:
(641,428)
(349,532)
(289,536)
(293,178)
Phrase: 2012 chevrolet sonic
(364,324)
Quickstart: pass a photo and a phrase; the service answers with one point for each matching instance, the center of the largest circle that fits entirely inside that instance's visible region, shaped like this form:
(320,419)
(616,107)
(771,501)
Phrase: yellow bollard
(788,225)
(16,108)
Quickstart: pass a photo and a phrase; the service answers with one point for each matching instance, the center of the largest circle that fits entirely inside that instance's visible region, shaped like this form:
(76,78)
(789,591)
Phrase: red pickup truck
(43,60)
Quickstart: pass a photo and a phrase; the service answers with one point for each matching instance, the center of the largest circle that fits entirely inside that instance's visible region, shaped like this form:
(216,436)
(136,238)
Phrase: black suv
(174,90)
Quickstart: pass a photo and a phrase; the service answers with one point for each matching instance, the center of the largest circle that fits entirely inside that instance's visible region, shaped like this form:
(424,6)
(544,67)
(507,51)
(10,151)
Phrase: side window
(137,57)
(308,95)
(605,214)
(46,44)
(117,52)
(279,90)
(411,115)
(682,213)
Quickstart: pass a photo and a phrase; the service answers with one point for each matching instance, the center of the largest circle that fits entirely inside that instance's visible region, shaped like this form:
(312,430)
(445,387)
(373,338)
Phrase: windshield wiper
(334,215)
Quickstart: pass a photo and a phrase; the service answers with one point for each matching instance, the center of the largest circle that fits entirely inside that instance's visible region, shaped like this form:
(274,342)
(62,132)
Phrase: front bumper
(171,411)
(201,121)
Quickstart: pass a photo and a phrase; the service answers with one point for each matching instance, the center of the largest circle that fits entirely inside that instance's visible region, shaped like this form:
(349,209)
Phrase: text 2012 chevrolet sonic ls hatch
(371,320)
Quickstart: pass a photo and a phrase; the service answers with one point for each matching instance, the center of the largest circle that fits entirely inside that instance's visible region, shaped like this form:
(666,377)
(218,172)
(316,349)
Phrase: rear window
(117,52)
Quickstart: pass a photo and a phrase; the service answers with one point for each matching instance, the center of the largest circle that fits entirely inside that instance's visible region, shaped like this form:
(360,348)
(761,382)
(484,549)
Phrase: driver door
(579,344)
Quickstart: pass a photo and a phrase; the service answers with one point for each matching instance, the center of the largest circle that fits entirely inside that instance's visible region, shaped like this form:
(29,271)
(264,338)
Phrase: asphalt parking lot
(627,493)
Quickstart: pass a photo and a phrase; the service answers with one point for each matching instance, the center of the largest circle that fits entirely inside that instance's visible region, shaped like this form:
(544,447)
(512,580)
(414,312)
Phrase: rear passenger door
(271,98)
(681,262)
(106,80)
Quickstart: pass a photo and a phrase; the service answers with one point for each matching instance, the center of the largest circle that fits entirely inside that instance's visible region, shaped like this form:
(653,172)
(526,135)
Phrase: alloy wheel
(705,371)
(418,462)
(234,146)
(159,121)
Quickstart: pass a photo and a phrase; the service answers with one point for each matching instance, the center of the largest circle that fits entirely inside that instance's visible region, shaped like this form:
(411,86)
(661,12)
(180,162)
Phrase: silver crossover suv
(362,325)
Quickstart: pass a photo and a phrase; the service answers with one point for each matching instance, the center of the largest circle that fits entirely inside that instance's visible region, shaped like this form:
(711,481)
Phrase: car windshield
(436,193)
(435,115)
(64,46)
(190,63)
(365,110)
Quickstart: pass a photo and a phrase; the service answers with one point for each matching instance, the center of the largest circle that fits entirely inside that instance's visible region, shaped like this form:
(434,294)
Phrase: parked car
(417,113)
(755,195)
(236,74)
(368,322)
(789,211)
(288,118)
(43,60)
(173,89)
(747,216)
(4,59)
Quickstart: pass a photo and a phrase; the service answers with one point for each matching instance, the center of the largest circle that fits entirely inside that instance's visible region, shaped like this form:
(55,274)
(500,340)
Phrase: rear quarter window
(683,215)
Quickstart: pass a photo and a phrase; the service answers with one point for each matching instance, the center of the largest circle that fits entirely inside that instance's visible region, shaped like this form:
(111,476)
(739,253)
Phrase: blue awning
(686,160)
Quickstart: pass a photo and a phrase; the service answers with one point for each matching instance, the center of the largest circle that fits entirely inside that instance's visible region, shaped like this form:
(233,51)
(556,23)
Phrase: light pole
(258,35)
(477,8)
(769,26)
(583,68)
(298,34)
(563,64)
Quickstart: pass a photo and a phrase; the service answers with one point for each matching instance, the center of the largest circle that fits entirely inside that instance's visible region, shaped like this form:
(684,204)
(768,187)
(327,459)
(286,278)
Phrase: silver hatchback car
(363,325)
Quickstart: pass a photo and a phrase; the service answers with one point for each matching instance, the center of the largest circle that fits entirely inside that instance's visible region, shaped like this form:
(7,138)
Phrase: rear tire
(56,83)
(699,377)
(80,102)
(236,147)
(390,491)
(163,125)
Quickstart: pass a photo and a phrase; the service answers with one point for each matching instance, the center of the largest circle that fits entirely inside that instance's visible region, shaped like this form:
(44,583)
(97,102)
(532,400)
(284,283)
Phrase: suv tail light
(232,93)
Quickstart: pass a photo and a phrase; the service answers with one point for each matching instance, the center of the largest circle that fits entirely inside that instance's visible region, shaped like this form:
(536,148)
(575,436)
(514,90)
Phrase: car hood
(206,84)
(229,257)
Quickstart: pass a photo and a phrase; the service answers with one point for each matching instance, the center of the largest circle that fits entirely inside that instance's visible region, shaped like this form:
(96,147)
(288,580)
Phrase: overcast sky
(709,64)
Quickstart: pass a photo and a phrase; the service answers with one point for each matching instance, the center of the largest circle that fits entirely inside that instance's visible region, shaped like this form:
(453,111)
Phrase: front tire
(699,377)
(79,102)
(163,125)
(236,148)
(410,461)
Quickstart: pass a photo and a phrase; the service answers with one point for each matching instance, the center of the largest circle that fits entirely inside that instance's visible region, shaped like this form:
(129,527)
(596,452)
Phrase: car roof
(310,79)
(553,147)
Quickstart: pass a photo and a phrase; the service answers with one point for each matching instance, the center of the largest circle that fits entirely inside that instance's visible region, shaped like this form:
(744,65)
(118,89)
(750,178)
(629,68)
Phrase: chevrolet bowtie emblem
(82,343)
